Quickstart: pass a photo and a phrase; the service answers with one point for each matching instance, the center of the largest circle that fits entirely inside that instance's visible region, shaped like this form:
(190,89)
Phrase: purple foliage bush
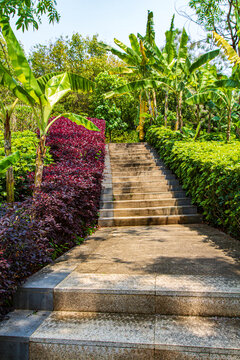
(63,210)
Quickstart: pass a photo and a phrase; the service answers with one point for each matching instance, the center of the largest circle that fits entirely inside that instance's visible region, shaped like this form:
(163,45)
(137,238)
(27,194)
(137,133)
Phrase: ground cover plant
(37,230)
(208,170)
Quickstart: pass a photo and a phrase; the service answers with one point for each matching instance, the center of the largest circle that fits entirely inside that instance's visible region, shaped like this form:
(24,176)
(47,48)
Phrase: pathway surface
(132,292)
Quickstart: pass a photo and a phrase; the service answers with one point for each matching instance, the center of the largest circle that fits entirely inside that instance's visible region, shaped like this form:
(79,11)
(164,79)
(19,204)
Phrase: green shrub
(130,136)
(25,142)
(208,170)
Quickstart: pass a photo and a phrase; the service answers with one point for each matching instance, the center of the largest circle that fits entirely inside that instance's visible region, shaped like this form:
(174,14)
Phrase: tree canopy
(28,12)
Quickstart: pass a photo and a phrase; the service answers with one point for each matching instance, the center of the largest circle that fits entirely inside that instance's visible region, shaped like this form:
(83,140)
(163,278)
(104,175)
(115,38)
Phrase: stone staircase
(139,190)
(139,292)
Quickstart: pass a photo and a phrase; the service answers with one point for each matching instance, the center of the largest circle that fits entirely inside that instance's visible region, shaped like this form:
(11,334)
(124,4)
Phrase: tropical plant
(139,65)
(43,92)
(179,74)
(221,93)
(8,161)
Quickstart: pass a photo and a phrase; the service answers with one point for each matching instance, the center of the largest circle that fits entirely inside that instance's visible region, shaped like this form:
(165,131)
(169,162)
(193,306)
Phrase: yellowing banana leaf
(227,48)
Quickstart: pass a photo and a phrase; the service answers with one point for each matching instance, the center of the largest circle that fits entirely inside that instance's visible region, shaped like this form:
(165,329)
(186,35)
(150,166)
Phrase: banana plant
(163,59)
(223,94)
(9,161)
(5,116)
(179,73)
(43,92)
(139,65)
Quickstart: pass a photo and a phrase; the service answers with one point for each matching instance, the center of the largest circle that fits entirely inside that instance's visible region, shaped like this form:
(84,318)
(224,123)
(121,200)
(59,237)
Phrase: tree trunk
(177,114)
(209,123)
(141,119)
(180,111)
(154,103)
(166,109)
(41,152)
(198,113)
(150,107)
(8,151)
(229,124)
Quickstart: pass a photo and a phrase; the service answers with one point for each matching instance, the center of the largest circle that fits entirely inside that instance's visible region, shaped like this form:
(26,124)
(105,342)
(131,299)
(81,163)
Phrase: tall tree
(220,16)
(28,12)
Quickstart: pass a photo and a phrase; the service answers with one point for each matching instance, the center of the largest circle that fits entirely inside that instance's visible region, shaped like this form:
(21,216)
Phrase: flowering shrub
(64,209)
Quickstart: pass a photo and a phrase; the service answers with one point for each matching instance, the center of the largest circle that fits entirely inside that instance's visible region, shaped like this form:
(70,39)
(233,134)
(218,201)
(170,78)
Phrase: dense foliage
(25,142)
(64,210)
(29,12)
(208,170)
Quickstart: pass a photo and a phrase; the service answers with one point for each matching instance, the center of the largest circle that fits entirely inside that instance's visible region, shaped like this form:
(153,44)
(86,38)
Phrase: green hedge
(26,143)
(208,170)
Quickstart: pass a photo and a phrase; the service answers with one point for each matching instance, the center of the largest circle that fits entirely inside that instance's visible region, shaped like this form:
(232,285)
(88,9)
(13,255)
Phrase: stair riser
(149,212)
(131,164)
(175,304)
(149,203)
(157,172)
(147,178)
(152,184)
(134,157)
(145,221)
(135,170)
(63,351)
(145,196)
(146,189)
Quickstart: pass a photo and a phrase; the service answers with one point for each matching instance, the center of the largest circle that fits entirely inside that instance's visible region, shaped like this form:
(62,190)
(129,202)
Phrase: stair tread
(149,217)
(156,207)
(217,335)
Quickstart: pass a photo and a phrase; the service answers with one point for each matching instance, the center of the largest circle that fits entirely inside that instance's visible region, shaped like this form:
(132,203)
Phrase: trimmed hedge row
(209,171)
(38,230)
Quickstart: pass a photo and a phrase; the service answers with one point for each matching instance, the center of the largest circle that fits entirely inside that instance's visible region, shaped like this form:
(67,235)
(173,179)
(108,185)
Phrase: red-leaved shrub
(63,210)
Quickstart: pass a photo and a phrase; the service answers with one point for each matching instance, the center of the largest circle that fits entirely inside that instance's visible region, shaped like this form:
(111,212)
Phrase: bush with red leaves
(63,210)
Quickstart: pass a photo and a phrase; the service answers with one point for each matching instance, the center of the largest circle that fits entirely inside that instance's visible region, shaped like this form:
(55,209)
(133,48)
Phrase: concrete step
(156,171)
(144,196)
(139,184)
(150,220)
(165,294)
(73,335)
(146,189)
(149,294)
(130,152)
(124,146)
(142,156)
(153,211)
(134,169)
(141,178)
(123,204)
(132,164)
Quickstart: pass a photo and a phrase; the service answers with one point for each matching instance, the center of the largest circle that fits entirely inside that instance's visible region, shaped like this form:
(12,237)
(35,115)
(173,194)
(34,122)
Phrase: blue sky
(110,18)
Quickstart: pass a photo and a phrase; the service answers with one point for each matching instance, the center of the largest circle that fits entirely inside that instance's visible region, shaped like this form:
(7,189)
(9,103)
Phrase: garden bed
(35,232)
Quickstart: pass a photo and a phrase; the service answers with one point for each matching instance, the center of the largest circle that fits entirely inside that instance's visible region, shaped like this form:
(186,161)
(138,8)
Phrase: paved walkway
(137,292)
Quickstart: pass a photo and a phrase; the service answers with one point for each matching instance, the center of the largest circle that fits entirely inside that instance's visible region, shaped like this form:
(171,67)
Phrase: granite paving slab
(198,334)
